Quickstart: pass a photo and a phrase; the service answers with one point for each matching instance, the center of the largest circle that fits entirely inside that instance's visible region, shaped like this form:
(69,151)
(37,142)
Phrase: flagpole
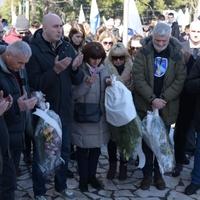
(125,23)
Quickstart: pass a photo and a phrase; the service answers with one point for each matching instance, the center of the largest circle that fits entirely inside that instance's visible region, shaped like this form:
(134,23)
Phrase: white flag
(81,17)
(94,17)
(132,22)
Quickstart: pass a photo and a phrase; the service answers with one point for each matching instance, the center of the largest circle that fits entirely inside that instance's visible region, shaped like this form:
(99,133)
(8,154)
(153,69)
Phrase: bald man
(53,68)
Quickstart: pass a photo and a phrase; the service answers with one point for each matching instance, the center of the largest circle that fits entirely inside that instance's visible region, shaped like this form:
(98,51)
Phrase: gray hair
(20,47)
(162,29)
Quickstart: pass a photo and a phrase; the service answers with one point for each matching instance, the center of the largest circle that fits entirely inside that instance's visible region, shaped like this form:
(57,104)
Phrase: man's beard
(158,48)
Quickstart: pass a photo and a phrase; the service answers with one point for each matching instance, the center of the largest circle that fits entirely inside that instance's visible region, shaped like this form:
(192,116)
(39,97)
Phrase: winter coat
(14,118)
(91,135)
(126,76)
(56,87)
(192,86)
(175,30)
(143,79)
(4,141)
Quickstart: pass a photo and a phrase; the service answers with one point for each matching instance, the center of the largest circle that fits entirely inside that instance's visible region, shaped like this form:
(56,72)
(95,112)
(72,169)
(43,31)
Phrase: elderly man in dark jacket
(11,62)
(158,75)
(53,68)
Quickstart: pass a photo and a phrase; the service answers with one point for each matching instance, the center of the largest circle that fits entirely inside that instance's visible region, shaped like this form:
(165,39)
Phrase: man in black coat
(193,87)
(174,25)
(53,68)
(11,62)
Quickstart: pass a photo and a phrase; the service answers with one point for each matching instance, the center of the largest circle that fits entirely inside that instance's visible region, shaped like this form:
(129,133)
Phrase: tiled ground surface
(119,190)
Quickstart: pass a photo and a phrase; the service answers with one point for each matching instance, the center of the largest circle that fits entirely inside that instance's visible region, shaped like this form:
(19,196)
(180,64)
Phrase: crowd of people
(72,67)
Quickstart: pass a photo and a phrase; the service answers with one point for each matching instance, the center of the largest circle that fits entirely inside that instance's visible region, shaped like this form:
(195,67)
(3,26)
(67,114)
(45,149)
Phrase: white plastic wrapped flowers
(48,137)
(156,137)
(121,115)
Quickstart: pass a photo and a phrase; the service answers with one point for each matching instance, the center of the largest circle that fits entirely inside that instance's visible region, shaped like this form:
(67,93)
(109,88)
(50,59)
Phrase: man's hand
(61,65)
(158,103)
(26,104)
(77,61)
(3,106)
(10,101)
(5,103)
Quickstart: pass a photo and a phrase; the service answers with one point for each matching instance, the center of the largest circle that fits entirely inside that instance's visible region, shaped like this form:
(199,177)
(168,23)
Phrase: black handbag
(87,112)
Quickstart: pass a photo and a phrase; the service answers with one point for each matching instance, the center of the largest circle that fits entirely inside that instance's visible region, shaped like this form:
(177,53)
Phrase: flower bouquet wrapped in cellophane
(121,115)
(156,137)
(48,137)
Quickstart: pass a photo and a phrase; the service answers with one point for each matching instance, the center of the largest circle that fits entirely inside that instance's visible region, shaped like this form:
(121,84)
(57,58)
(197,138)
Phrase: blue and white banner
(94,17)
(132,22)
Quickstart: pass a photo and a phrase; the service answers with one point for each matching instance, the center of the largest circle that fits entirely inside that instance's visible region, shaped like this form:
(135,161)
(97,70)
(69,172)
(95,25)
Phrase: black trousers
(112,152)
(87,159)
(151,166)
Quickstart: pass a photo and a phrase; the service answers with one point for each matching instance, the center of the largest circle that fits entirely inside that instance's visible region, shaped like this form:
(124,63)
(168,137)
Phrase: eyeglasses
(106,43)
(135,48)
(118,57)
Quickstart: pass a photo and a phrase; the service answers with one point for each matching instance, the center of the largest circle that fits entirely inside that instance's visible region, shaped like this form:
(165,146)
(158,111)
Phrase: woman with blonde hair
(107,39)
(120,64)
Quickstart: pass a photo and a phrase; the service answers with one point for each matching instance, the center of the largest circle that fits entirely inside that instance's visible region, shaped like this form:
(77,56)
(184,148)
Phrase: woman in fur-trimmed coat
(120,64)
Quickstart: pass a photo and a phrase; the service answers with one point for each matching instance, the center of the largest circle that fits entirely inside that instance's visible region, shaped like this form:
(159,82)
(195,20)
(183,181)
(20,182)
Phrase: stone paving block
(123,193)
(174,195)
(113,189)
(105,193)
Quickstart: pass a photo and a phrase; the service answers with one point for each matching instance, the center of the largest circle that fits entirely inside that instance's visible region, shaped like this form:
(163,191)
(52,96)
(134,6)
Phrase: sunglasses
(135,48)
(118,57)
(1,32)
(106,43)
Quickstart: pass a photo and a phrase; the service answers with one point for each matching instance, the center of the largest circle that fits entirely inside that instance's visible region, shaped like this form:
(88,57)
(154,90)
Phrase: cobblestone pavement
(118,190)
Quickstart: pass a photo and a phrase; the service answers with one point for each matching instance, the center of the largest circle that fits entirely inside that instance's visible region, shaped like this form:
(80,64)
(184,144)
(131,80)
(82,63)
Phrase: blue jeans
(196,169)
(61,174)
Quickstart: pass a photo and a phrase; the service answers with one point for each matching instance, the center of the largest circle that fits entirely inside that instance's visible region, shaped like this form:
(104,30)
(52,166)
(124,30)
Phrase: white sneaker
(40,197)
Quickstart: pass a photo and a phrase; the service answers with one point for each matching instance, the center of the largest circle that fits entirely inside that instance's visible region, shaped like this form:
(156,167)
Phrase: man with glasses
(19,32)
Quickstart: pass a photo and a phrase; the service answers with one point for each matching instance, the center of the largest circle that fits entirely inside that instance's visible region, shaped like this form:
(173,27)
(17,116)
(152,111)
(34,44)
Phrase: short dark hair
(161,17)
(171,13)
(93,50)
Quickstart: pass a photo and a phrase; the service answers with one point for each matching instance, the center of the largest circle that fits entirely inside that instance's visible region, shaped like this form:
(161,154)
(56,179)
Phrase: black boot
(95,183)
(83,186)
(123,171)
(112,170)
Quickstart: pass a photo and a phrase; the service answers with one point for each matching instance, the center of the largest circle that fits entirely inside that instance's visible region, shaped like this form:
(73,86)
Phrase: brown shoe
(146,183)
(159,183)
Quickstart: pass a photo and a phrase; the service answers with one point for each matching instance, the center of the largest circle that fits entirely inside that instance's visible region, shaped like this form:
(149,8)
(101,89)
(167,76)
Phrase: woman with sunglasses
(107,39)
(120,64)
(90,132)
(134,45)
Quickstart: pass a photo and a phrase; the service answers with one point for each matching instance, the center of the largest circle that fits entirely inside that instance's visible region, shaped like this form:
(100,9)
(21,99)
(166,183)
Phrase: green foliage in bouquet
(127,136)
